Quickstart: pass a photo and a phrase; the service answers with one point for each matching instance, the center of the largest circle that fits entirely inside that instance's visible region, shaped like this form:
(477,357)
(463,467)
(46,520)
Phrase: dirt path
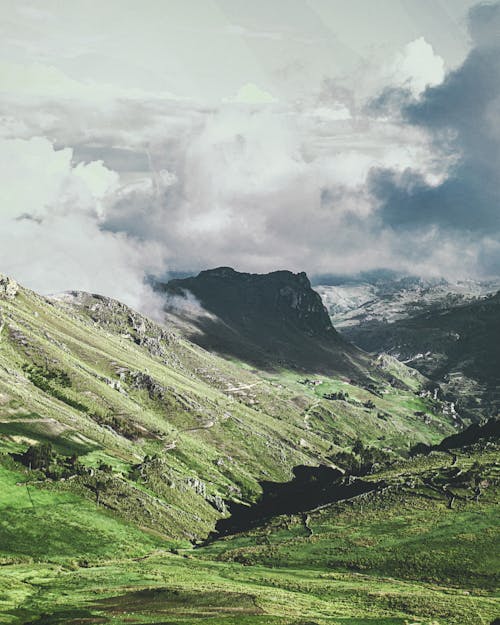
(207,426)
(28,420)
(307,416)
(242,388)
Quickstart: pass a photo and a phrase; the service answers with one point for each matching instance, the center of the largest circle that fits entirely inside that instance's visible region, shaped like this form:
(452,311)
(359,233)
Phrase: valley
(186,473)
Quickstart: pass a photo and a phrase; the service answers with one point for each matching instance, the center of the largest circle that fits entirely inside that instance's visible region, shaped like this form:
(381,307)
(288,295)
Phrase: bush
(38,456)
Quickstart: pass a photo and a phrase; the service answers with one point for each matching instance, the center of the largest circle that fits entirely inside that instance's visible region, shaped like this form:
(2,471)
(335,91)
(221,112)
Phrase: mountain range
(448,332)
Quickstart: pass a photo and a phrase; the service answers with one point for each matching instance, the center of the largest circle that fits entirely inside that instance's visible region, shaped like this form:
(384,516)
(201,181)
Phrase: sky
(330,136)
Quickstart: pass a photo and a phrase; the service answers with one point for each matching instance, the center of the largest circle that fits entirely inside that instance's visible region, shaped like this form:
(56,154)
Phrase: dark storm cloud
(463,117)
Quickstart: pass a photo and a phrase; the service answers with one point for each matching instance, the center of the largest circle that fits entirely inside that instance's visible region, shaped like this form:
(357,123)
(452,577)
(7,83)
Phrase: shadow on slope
(272,321)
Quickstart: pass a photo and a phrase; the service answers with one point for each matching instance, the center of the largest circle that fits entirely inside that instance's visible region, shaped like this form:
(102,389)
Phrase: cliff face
(280,297)
(270,320)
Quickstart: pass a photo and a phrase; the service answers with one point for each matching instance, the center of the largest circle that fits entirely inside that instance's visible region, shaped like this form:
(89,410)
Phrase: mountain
(272,321)
(458,348)
(124,446)
(353,303)
(93,377)
(449,332)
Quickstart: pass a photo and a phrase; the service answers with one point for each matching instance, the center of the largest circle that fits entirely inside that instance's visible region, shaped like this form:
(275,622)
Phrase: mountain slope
(180,429)
(429,519)
(120,393)
(457,346)
(121,443)
(272,321)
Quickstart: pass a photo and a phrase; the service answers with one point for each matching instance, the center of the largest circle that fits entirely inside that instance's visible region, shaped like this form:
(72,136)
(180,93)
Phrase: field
(393,558)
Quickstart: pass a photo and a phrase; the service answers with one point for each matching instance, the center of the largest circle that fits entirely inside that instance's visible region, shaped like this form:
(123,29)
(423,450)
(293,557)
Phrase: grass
(393,560)
(168,589)
(66,371)
(51,525)
(65,559)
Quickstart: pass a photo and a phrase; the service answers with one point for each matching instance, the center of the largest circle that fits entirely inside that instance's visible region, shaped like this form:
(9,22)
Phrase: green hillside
(122,445)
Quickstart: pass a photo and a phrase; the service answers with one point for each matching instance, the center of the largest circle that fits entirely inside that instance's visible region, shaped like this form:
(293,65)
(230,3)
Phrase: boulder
(8,287)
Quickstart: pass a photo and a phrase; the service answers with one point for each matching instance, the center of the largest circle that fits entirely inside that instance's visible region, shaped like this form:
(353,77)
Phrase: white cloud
(50,234)
(271,188)
(55,186)
(417,67)
(31,176)
(98,180)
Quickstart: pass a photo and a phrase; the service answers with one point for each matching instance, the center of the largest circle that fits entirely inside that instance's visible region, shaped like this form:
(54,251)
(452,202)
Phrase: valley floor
(392,559)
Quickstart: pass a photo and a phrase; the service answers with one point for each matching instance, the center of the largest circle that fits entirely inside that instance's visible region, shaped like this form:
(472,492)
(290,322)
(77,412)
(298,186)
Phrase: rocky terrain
(449,332)
(353,303)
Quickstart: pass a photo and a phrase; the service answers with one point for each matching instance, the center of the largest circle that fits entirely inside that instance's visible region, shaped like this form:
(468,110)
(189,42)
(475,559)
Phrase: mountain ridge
(269,320)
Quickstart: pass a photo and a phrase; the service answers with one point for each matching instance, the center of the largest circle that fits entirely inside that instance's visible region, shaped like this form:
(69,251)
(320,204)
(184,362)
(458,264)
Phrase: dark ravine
(310,488)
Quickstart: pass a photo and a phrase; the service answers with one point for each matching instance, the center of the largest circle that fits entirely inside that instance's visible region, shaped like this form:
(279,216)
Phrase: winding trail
(307,416)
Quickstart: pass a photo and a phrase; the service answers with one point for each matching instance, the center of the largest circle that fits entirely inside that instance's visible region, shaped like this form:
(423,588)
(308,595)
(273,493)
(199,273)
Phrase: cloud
(462,118)
(186,305)
(417,67)
(51,237)
(378,170)
(269,188)
(483,24)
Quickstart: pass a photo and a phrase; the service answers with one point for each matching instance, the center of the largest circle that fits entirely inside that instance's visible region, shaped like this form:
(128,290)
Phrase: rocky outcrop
(8,287)
(281,295)
(270,320)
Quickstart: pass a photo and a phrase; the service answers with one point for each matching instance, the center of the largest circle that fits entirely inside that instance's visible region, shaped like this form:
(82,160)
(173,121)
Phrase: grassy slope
(63,555)
(211,420)
(400,559)
(405,534)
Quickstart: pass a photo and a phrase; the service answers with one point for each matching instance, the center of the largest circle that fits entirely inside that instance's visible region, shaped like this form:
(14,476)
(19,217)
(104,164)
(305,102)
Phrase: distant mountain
(352,303)
(449,332)
(271,320)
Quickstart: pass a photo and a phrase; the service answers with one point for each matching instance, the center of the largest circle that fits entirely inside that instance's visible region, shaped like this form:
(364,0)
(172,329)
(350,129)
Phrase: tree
(38,456)
(358,447)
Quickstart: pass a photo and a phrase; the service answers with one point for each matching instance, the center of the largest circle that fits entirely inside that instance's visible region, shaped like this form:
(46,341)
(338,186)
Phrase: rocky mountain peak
(269,320)
(281,296)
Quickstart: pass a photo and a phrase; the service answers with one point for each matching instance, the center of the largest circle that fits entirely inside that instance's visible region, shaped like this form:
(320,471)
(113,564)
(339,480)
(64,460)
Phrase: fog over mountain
(331,143)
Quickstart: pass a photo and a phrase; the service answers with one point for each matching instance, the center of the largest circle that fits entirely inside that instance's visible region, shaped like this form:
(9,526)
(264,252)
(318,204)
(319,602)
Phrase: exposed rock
(143,381)
(269,320)
(197,485)
(218,503)
(280,294)
(8,287)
